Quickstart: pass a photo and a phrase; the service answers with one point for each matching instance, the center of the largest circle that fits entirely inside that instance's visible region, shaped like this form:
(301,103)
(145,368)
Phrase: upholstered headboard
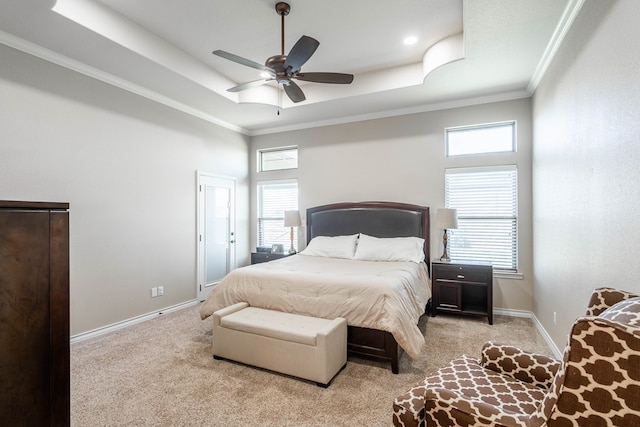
(378,219)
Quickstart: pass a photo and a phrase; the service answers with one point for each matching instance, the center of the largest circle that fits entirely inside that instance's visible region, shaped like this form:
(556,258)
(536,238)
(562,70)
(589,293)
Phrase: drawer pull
(460,276)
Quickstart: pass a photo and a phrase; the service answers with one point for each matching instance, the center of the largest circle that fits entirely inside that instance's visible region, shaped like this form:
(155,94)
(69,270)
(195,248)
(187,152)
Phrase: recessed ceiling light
(410,40)
(265,75)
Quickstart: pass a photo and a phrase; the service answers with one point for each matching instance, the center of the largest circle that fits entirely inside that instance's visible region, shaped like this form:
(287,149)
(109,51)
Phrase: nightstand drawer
(466,273)
(258,257)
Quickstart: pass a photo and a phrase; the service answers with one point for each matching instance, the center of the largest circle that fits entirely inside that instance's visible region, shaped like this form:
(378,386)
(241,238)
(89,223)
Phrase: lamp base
(445,253)
(292,250)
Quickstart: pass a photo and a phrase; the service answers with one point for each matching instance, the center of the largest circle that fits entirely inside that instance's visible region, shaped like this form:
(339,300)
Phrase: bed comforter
(389,296)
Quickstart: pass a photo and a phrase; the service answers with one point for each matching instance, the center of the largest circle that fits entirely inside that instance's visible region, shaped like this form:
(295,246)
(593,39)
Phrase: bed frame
(378,219)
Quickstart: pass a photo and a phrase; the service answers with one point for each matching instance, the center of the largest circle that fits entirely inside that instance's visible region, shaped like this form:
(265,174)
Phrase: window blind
(486,200)
(274,198)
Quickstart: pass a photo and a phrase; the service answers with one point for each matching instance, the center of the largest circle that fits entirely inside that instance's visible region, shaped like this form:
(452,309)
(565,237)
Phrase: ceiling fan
(285,68)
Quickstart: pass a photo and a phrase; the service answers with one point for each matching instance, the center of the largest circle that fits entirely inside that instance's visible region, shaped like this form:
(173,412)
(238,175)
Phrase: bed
(382,301)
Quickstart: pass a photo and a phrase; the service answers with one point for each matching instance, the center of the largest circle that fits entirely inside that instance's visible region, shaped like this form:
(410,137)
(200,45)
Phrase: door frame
(201,290)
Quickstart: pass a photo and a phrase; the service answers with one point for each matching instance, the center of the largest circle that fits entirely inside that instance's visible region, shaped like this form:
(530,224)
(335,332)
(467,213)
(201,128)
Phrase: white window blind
(486,200)
(274,198)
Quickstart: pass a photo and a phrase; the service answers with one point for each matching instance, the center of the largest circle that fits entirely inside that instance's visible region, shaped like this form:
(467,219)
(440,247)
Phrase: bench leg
(329,383)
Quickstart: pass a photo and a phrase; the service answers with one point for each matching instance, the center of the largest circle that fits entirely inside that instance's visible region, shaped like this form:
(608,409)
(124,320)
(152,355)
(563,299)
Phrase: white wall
(127,166)
(586,159)
(402,159)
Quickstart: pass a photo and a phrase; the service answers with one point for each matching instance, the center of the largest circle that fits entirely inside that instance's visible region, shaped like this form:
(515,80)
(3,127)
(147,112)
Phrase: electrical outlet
(555,318)
(160,291)
(154,292)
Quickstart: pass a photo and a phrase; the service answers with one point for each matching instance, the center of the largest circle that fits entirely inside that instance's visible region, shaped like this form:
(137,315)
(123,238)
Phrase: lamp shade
(447,219)
(292,219)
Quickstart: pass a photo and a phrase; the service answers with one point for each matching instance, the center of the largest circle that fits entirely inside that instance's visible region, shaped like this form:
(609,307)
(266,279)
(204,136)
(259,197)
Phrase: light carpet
(161,373)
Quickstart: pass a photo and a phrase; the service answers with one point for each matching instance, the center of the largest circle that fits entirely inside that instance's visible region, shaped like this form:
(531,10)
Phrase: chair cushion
(627,311)
(471,382)
(535,369)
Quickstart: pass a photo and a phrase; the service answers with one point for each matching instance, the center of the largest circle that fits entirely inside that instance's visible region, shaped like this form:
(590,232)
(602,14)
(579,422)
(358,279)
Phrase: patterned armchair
(596,384)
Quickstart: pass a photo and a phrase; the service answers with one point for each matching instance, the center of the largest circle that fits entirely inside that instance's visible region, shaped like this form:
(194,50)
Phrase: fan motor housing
(276,63)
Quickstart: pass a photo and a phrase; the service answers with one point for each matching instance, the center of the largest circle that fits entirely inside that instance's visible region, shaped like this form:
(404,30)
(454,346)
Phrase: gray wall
(586,157)
(127,166)
(402,159)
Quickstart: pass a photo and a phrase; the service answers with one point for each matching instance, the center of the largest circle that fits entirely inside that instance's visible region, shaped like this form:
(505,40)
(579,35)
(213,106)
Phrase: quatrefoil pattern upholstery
(596,384)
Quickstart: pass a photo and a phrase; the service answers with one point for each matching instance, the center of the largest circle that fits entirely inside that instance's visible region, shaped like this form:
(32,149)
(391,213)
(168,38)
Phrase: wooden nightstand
(462,288)
(258,257)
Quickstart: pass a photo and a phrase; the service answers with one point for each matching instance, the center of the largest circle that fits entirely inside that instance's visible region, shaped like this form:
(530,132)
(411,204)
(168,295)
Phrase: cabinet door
(24,318)
(449,296)
(34,317)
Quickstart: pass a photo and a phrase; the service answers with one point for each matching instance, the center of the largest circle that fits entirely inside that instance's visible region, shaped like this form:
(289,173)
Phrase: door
(216,233)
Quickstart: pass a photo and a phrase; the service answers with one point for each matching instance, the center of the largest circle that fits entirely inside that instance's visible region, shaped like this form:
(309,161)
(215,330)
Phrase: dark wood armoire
(34,314)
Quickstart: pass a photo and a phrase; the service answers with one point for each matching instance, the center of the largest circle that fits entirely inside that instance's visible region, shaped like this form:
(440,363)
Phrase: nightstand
(462,288)
(258,257)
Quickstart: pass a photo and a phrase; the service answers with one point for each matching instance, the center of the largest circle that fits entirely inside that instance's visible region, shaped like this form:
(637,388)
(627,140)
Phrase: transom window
(277,159)
(481,139)
(486,201)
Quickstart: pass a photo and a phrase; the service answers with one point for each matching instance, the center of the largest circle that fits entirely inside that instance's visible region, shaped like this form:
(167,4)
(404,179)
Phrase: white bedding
(389,296)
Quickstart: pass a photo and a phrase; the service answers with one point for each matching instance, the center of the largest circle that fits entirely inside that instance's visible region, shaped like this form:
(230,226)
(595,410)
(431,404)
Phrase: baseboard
(143,318)
(521,313)
(129,322)
(512,313)
(552,345)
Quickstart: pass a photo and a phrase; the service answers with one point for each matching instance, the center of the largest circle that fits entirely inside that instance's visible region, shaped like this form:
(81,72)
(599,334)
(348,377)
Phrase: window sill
(508,275)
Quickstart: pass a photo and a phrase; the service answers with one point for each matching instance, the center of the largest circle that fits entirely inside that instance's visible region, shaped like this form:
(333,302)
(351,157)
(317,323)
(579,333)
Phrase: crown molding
(566,21)
(77,66)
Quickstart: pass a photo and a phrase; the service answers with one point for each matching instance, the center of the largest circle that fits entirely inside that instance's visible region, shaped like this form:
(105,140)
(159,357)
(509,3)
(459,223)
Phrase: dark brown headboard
(378,219)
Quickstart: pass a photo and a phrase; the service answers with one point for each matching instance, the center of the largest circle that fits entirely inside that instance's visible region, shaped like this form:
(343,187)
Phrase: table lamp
(446,219)
(292,219)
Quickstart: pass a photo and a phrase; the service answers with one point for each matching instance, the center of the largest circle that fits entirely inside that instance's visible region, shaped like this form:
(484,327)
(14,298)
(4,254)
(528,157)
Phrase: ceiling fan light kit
(284,69)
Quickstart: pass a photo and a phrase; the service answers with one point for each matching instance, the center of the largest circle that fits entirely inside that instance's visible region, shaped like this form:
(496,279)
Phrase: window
(482,139)
(275,197)
(486,200)
(275,159)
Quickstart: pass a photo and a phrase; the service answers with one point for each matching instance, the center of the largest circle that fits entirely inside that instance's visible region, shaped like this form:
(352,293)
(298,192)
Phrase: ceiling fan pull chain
(279,100)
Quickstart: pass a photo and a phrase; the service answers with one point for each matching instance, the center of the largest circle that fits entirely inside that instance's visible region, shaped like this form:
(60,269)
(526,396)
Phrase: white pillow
(390,249)
(332,247)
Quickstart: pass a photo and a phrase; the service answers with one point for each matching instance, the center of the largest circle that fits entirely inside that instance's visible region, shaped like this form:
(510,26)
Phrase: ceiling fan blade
(242,61)
(248,85)
(300,53)
(335,78)
(294,92)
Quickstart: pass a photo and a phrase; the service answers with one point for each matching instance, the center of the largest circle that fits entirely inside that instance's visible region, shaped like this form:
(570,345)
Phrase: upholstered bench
(302,346)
